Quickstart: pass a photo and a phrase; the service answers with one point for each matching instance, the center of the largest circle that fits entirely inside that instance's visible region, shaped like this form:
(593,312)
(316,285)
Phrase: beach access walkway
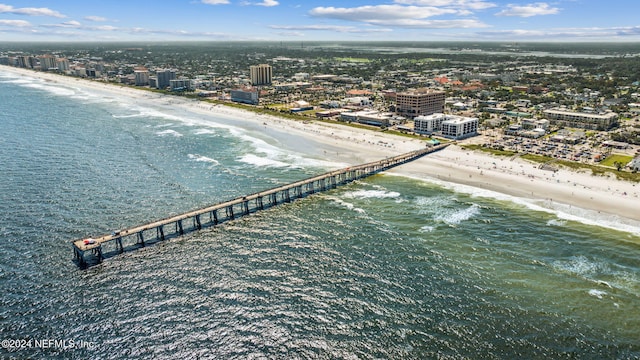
(90,251)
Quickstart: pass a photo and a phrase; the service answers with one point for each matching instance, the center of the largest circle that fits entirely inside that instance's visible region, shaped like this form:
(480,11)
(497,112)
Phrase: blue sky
(310,20)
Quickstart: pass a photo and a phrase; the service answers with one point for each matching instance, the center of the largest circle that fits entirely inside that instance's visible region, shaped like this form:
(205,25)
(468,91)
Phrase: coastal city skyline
(283,20)
(171,192)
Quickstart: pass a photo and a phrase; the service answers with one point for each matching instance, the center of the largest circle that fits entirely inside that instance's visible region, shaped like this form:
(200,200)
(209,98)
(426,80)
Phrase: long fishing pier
(89,251)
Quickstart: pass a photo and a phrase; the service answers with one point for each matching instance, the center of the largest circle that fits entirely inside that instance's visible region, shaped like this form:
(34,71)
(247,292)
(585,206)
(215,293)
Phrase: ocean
(388,267)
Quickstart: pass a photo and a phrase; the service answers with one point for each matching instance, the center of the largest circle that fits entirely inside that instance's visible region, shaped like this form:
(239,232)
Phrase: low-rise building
(246,96)
(358,101)
(564,117)
(634,165)
(535,124)
(181,85)
(374,118)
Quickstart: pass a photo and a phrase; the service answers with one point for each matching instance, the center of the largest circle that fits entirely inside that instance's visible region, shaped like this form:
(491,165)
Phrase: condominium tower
(261,74)
(164,78)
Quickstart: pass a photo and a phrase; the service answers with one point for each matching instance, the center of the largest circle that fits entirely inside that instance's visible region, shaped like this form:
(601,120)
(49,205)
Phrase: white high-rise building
(142,77)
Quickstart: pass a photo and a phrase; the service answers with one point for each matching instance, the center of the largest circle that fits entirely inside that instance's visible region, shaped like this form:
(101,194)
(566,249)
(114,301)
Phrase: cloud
(399,15)
(29,11)
(434,24)
(215,2)
(528,10)
(563,33)
(15,23)
(105,28)
(628,31)
(460,4)
(336,28)
(95,18)
(290,33)
(379,12)
(66,24)
(268,3)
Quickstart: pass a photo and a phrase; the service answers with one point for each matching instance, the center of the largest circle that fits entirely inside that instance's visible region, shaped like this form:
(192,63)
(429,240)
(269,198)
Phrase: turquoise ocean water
(388,267)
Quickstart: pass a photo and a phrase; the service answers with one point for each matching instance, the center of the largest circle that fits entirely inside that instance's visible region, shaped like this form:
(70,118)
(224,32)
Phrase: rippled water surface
(389,267)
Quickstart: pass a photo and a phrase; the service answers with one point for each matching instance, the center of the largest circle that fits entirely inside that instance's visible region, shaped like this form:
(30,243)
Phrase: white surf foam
(56,90)
(255,160)
(456,217)
(345,204)
(432,205)
(205,132)
(579,265)
(597,293)
(169,133)
(146,113)
(200,158)
(556,222)
(561,211)
(427,229)
(369,194)
(18,81)
(595,271)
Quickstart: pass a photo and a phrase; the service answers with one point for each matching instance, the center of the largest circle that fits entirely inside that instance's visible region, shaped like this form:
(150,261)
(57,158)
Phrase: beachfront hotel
(261,74)
(419,102)
(245,96)
(459,127)
(564,117)
(451,126)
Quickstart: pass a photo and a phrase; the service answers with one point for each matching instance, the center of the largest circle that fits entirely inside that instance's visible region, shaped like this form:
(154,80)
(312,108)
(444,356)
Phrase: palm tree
(618,165)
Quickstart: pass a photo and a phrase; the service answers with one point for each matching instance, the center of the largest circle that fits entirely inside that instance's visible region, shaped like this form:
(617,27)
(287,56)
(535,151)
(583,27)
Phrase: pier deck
(238,207)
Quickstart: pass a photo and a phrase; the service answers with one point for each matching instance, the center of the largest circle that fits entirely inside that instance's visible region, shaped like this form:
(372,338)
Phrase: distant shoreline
(574,195)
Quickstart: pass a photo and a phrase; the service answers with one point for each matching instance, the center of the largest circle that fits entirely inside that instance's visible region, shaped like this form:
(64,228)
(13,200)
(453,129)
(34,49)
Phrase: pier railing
(89,251)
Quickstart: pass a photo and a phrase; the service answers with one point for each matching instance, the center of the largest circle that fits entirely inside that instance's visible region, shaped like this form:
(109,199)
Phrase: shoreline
(564,191)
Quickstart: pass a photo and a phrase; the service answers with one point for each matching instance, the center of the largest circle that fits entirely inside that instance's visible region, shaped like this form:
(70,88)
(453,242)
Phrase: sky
(313,20)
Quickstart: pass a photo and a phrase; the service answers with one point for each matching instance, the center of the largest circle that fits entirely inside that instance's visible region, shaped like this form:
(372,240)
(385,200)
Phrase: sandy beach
(573,195)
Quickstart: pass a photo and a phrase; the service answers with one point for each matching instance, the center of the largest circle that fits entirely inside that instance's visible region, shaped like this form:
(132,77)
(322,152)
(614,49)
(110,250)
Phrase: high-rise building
(261,74)
(48,62)
(62,64)
(142,76)
(419,102)
(164,78)
(26,62)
